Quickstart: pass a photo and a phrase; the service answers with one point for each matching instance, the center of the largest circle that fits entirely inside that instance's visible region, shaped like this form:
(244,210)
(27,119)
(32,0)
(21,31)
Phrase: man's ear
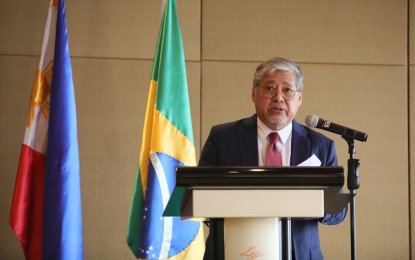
(253,94)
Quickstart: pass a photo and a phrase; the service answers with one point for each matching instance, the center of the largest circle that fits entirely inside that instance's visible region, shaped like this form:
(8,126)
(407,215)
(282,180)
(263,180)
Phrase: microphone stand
(353,183)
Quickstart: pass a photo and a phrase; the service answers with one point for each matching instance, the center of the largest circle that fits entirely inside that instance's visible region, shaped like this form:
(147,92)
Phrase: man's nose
(277,97)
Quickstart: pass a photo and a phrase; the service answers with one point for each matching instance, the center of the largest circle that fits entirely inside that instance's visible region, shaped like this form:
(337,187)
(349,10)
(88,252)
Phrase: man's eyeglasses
(286,93)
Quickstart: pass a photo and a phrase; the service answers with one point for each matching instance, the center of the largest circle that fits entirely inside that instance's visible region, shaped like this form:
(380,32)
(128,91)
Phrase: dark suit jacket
(236,144)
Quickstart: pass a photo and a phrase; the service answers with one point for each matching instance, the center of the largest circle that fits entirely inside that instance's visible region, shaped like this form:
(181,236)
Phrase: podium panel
(251,203)
(250,238)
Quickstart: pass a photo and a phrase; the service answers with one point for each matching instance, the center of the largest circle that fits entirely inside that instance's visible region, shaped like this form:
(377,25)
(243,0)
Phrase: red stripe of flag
(27,206)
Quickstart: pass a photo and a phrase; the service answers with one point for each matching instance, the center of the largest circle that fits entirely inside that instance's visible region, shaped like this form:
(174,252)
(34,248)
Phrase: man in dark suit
(277,95)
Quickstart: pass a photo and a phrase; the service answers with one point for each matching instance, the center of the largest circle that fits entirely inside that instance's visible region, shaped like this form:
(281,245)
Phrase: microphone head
(311,120)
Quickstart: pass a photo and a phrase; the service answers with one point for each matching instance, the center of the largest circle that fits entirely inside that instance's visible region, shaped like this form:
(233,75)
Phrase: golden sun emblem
(40,93)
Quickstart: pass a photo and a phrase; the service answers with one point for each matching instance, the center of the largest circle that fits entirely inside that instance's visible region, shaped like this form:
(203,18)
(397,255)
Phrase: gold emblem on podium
(252,253)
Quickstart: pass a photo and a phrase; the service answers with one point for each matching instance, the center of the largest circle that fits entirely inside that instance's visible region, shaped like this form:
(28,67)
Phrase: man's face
(276,112)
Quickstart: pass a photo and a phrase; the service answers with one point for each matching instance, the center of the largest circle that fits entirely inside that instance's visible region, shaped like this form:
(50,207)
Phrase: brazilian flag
(167,143)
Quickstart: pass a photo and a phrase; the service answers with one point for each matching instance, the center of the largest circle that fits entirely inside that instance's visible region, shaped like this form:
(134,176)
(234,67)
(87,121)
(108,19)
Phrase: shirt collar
(264,131)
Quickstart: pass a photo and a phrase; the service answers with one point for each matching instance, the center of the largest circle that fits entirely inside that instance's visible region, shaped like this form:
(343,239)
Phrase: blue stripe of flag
(62,215)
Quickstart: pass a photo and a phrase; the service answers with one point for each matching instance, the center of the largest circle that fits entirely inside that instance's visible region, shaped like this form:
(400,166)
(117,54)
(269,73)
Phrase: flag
(167,143)
(46,208)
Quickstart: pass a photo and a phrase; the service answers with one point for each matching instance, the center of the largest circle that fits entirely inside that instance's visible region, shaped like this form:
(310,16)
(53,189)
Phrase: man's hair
(279,64)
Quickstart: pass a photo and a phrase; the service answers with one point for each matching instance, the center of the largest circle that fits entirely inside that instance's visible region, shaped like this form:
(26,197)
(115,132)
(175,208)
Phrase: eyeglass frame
(283,94)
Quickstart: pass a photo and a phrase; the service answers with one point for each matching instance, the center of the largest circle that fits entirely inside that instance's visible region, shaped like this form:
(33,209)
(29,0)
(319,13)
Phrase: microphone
(315,121)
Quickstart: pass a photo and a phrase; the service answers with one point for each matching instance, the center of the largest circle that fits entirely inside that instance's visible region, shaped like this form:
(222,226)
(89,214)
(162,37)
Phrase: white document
(312,161)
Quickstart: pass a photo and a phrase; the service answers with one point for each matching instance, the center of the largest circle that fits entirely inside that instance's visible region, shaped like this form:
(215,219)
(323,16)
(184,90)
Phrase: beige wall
(411,107)
(354,54)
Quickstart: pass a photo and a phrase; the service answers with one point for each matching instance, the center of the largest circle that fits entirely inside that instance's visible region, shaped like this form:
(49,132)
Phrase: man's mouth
(277,109)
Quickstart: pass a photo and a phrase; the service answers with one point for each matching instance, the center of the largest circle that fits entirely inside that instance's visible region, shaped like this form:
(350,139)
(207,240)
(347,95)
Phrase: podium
(248,204)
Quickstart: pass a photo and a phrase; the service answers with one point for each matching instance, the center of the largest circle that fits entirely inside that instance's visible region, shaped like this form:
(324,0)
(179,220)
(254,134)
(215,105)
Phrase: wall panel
(327,32)
(21,26)
(106,29)
(127,29)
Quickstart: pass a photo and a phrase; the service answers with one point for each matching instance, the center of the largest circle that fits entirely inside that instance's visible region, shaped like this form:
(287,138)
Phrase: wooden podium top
(213,179)
(259,176)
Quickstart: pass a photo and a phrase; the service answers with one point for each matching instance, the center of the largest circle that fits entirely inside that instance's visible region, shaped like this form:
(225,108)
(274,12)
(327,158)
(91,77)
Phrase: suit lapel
(248,142)
(300,145)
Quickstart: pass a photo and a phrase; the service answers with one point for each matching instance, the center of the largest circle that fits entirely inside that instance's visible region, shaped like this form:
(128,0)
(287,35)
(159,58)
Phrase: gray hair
(279,64)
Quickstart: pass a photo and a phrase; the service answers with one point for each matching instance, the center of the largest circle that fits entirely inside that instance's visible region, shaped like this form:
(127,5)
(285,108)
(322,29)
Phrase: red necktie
(273,157)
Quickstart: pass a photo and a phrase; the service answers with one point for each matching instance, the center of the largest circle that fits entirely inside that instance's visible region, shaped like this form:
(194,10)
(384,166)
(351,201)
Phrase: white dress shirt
(283,144)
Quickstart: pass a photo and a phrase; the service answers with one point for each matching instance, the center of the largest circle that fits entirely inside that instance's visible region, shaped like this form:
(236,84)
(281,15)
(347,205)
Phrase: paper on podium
(312,161)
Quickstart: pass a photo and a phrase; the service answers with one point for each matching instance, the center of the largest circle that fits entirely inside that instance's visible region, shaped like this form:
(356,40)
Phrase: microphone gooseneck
(345,132)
